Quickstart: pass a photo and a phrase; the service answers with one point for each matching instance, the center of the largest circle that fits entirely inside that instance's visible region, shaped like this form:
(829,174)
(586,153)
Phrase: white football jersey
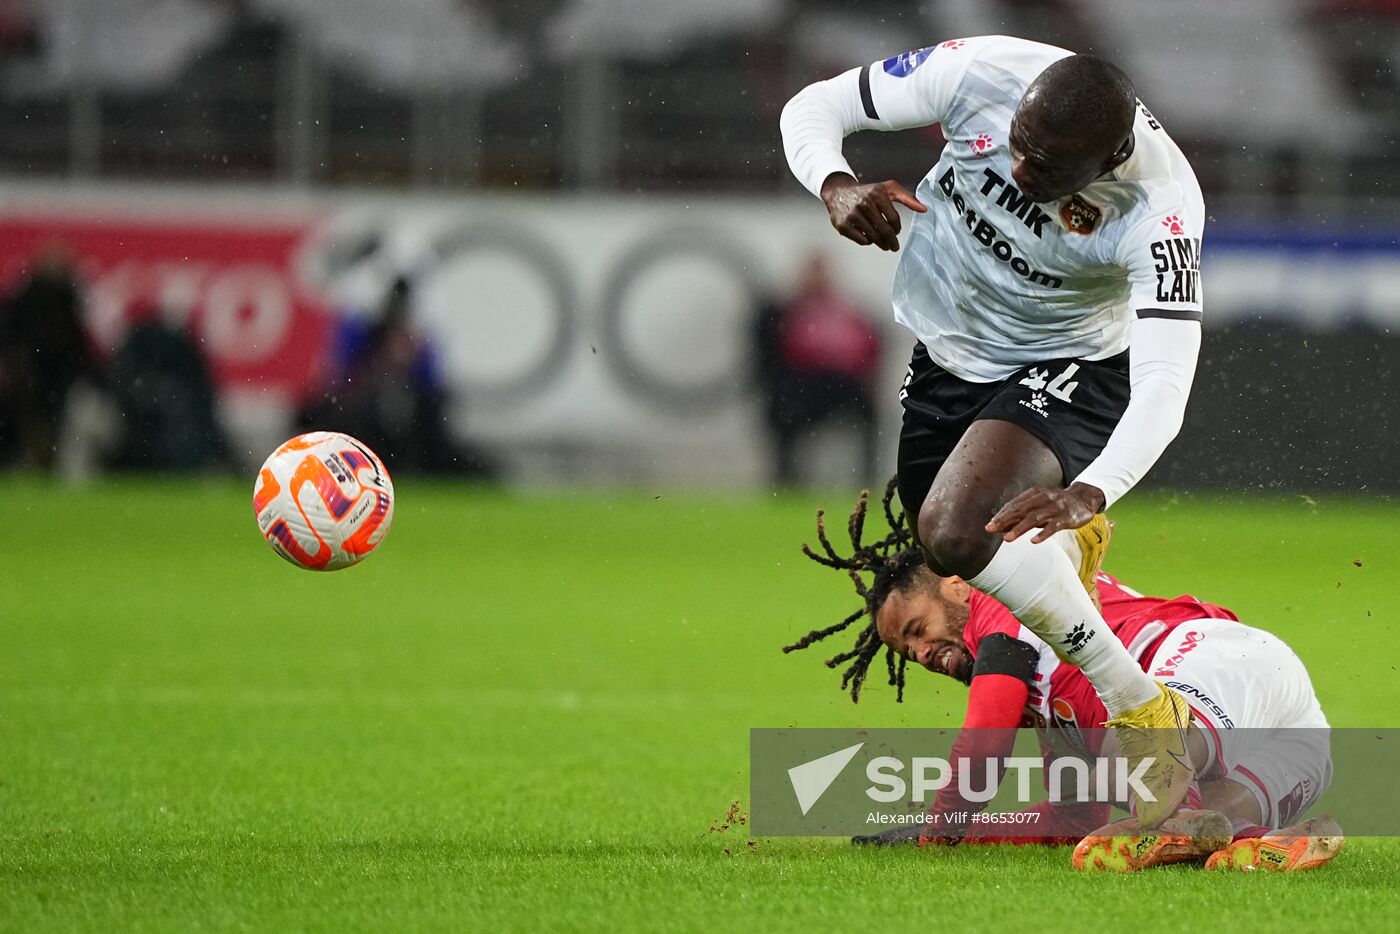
(990,281)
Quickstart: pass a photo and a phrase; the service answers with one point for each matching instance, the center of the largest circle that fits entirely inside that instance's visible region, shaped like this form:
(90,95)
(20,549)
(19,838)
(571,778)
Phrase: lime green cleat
(1305,845)
(1123,846)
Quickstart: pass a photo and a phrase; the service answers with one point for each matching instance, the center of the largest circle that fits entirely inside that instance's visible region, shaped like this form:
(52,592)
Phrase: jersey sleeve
(916,88)
(908,90)
(1166,343)
(1161,253)
(986,616)
(996,701)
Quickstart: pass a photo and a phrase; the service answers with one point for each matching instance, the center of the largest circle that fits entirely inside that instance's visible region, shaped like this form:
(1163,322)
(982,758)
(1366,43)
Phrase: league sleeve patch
(905,63)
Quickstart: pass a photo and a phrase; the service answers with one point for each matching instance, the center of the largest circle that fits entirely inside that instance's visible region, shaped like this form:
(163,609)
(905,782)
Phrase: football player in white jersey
(1060,226)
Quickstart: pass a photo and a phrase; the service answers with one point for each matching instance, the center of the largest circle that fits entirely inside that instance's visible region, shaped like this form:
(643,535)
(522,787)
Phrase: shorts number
(1060,387)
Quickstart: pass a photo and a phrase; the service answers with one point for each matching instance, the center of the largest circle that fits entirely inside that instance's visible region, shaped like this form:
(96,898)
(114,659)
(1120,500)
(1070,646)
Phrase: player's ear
(956,589)
(1120,155)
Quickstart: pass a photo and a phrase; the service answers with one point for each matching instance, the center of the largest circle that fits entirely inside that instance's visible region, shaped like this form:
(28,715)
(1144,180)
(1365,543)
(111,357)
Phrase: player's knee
(954,541)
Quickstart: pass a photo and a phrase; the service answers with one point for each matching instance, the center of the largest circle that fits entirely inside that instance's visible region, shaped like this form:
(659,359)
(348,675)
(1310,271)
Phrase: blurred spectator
(386,391)
(43,352)
(817,357)
(19,32)
(162,386)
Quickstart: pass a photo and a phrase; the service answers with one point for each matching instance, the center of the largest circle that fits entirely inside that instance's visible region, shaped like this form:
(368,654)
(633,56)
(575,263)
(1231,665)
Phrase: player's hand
(895,836)
(1050,511)
(867,213)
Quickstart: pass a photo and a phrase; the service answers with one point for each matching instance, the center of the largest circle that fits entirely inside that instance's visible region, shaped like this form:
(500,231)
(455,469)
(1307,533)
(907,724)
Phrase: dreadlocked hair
(891,561)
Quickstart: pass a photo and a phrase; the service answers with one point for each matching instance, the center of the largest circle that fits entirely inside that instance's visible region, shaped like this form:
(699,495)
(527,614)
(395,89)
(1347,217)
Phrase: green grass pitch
(527,712)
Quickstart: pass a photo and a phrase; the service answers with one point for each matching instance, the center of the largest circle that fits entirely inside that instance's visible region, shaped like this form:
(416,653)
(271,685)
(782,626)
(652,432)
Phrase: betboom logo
(1019,208)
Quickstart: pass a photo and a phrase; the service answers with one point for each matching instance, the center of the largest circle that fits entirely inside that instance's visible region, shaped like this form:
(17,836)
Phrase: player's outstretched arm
(815,122)
(909,90)
(996,699)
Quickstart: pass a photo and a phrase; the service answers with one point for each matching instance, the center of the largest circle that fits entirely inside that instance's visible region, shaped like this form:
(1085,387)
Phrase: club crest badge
(1080,216)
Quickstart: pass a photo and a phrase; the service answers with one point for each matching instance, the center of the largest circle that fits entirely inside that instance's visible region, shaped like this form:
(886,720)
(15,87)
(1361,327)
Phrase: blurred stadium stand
(596,94)
(567,140)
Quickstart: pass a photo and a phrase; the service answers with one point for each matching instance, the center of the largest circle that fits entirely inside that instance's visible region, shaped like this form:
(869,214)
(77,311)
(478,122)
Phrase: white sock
(1069,542)
(1040,587)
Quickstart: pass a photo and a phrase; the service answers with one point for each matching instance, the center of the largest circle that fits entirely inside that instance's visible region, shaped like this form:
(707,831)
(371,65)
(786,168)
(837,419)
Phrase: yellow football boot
(1156,731)
(1122,846)
(1305,845)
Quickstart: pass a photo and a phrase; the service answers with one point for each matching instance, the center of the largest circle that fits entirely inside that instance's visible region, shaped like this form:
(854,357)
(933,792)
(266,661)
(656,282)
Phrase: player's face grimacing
(924,622)
(1048,166)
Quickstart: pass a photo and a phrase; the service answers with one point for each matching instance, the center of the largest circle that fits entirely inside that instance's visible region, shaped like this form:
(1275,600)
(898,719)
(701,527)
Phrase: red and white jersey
(1058,701)
(1059,694)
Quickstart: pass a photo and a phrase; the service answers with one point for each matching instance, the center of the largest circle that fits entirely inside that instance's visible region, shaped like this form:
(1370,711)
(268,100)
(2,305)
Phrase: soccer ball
(323,501)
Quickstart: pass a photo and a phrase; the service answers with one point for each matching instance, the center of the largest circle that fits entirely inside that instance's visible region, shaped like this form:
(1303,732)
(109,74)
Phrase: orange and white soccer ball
(323,501)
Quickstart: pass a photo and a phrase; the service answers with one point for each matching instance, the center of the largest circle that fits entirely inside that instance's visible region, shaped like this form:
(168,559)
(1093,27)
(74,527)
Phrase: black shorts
(1071,405)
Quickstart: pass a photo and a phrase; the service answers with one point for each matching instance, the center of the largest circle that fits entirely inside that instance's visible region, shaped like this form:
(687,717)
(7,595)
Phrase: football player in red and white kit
(1259,736)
